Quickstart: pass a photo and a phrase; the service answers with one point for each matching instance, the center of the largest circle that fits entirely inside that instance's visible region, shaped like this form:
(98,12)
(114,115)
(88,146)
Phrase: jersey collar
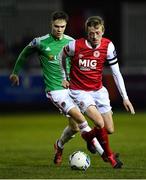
(88,44)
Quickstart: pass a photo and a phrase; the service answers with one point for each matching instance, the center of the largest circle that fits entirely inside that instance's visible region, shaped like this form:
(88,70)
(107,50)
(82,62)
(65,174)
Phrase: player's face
(95,35)
(58,28)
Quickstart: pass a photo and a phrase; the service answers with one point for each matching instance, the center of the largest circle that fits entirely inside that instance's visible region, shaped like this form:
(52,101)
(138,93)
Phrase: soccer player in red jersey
(88,57)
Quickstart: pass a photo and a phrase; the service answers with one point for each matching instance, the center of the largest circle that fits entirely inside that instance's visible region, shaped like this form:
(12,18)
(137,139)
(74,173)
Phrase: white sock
(66,135)
(85,127)
(97,145)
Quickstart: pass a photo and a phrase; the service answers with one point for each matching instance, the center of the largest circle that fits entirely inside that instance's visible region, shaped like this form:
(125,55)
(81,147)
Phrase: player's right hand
(128,106)
(65,84)
(14,79)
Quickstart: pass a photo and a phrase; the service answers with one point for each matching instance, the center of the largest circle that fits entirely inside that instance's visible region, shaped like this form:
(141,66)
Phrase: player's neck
(91,45)
(57,38)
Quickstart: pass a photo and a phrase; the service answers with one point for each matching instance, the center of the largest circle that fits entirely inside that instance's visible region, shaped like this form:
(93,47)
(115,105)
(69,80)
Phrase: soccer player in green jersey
(48,48)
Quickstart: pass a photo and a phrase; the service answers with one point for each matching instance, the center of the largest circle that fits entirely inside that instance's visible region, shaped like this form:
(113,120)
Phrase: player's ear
(85,33)
(103,29)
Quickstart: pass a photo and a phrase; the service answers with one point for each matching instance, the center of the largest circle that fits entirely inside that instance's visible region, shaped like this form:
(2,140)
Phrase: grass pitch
(26,148)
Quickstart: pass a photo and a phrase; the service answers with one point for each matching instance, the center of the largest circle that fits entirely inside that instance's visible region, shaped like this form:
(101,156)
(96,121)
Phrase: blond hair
(94,21)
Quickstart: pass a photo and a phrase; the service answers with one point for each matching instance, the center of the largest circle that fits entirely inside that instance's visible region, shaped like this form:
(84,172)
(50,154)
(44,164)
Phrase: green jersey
(48,49)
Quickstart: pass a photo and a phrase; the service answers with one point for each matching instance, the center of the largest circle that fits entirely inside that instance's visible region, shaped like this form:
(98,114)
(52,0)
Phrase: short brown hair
(59,15)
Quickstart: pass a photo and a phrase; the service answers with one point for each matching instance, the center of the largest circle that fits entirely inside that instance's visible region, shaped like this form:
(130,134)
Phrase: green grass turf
(26,148)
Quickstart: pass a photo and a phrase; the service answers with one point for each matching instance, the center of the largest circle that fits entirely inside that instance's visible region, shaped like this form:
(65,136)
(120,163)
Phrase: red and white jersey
(87,63)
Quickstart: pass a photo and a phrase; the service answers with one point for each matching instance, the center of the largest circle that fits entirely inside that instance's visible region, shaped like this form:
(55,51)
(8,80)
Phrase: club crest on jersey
(81,104)
(50,57)
(96,54)
(63,104)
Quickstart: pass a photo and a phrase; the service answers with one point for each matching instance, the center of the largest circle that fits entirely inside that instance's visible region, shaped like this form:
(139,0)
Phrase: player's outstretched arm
(14,79)
(121,87)
(128,106)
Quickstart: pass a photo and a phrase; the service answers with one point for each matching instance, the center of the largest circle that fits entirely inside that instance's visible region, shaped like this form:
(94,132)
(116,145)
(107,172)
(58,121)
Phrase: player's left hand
(128,106)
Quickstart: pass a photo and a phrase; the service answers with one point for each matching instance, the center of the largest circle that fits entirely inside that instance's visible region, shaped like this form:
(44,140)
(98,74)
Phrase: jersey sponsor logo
(87,64)
(96,54)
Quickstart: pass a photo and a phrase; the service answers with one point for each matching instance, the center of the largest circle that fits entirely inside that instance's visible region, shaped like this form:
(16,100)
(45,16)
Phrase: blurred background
(21,21)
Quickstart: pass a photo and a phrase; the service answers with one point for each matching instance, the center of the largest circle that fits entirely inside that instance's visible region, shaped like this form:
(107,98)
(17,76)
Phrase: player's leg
(108,121)
(64,102)
(102,100)
(101,133)
(83,101)
(96,117)
(68,133)
(84,127)
(72,130)
(60,100)
(101,97)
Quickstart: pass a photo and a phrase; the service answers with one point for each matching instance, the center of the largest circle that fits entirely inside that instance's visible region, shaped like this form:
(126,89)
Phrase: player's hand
(14,79)
(65,84)
(128,106)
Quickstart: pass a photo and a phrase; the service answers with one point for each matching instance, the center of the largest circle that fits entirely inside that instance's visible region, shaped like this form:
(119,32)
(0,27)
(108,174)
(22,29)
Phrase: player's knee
(75,129)
(99,124)
(110,130)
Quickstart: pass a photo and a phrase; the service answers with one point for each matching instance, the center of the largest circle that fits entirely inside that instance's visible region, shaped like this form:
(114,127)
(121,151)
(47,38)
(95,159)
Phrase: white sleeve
(70,48)
(119,80)
(62,62)
(111,54)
